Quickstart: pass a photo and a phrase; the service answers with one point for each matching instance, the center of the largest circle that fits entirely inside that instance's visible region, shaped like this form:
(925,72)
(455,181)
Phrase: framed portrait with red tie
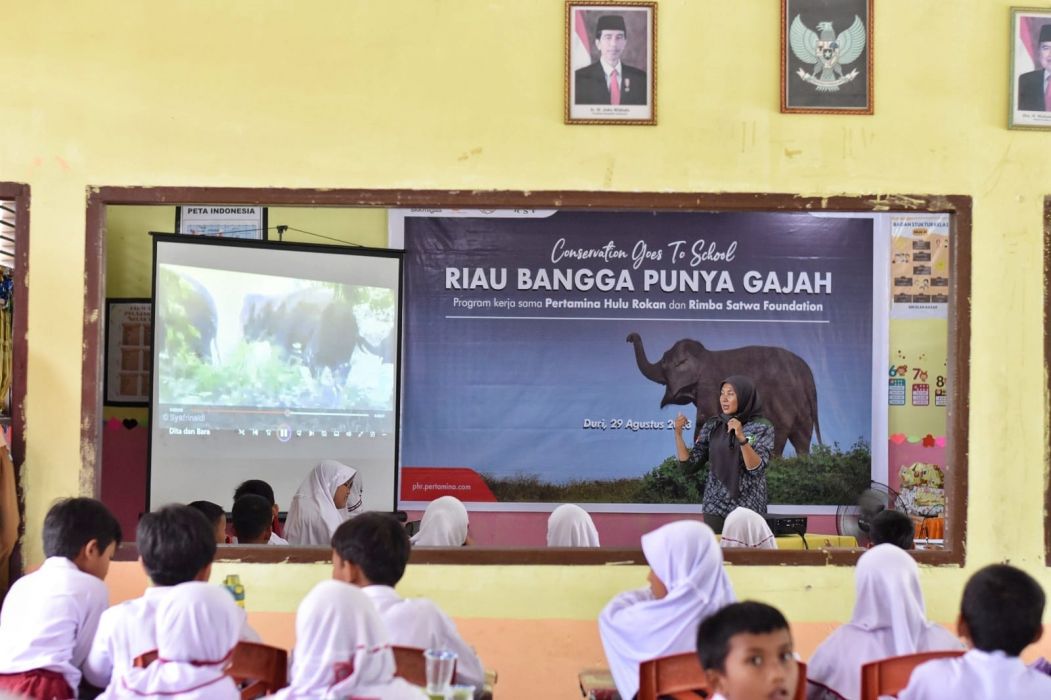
(1030,80)
(611,63)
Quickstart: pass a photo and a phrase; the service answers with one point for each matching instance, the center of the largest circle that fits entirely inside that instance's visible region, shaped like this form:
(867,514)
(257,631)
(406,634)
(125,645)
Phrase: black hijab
(724,452)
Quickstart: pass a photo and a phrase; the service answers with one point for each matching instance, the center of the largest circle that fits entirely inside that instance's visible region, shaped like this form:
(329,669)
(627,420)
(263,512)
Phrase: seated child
(444,524)
(176,544)
(342,650)
(889,619)
(371,551)
(252,519)
(746,651)
(49,616)
(571,526)
(261,488)
(216,516)
(746,528)
(1000,615)
(197,626)
(687,584)
(893,527)
(330,493)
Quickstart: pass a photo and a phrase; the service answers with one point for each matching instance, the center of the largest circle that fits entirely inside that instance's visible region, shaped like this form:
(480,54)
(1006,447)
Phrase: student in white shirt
(330,493)
(1000,615)
(49,616)
(371,551)
(570,525)
(342,650)
(889,619)
(687,584)
(262,488)
(746,651)
(746,528)
(444,524)
(176,545)
(216,516)
(252,521)
(197,627)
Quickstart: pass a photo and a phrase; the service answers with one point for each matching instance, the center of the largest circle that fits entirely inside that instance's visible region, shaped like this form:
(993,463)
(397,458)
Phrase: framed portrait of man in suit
(826,56)
(611,63)
(1030,106)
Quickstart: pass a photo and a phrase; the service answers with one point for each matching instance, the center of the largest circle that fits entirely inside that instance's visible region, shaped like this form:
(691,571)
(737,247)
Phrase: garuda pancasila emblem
(827,52)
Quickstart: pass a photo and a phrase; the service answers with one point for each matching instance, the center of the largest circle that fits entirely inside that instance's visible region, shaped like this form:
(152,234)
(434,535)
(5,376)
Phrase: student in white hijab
(198,626)
(889,620)
(687,584)
(331,493)
(444,524)
(571,526)
(746,528)
(342,649)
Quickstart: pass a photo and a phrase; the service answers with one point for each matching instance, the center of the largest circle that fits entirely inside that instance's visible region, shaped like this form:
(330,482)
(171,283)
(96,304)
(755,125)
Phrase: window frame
(958,206)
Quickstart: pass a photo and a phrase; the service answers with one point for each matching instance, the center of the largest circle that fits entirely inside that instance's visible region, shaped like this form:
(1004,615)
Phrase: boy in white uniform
(746,651)
(49,617)
(176,544)
(261,488)
(1000,615)
(371,551)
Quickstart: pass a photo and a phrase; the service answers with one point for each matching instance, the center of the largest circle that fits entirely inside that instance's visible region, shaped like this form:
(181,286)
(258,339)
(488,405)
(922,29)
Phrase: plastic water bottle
(232,583)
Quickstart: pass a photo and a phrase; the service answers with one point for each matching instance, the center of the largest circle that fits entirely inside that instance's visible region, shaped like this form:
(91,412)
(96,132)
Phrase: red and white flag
(579,46)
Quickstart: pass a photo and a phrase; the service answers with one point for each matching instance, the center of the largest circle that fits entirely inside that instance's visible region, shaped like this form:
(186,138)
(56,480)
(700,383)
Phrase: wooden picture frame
(129,351)
(826,56)
(597,33)
(1030,66)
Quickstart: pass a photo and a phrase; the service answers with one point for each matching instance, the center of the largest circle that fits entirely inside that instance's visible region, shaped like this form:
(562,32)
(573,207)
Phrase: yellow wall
(468,94)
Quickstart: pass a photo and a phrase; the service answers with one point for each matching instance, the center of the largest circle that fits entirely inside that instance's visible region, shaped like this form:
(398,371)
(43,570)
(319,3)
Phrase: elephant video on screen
(692,373)
(189,317)
(313,324)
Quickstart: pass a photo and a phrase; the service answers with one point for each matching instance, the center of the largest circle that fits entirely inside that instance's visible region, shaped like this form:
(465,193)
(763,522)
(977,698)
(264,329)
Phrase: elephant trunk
(652,371)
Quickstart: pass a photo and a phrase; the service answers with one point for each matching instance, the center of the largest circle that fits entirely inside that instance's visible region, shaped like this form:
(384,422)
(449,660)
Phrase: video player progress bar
(281,412)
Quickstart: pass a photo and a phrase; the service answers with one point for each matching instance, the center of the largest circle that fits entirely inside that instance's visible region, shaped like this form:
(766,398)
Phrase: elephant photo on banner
(691,373)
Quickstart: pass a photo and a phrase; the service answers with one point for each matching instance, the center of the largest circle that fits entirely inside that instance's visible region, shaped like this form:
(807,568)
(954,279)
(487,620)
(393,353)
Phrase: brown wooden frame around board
(959,334)
(19,194)
(1047,368)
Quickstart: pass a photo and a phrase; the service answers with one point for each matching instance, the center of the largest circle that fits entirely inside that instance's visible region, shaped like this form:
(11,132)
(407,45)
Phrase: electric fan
(856,520)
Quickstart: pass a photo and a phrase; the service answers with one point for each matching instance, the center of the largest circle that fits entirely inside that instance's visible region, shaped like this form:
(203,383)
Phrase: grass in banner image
(553,359)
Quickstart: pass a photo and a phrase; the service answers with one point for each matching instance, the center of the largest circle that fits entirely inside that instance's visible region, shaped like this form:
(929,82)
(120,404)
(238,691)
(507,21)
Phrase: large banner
(546,357)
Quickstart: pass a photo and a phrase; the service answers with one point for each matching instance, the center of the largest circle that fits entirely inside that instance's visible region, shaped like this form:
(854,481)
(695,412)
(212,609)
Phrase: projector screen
(267,359)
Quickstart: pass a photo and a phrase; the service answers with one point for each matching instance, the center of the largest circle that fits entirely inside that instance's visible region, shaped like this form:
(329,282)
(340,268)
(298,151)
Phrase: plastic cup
(461,692)
(438,666)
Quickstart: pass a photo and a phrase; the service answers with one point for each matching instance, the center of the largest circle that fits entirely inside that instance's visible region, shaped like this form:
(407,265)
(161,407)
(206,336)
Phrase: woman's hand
(735,425)
(679,424)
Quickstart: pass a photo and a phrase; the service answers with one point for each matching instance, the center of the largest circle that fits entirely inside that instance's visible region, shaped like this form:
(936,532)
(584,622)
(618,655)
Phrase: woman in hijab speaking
(736,445)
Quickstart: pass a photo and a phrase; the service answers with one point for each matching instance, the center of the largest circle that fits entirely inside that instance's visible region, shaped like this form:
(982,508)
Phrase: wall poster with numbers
(918,370)
(547,353)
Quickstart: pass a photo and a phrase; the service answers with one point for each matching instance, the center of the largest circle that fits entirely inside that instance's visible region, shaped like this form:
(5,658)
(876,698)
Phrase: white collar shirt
(125,632)
(608,70)
(977,675)
(49,618)
(419,623)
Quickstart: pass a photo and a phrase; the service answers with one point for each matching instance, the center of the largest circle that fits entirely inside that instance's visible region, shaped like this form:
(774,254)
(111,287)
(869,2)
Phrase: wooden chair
(681,677)
(410,665)
(257,669)
(890,676)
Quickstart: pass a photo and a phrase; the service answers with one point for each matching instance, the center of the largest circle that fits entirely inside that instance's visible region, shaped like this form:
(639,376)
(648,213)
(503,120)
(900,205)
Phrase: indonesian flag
(579,46)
